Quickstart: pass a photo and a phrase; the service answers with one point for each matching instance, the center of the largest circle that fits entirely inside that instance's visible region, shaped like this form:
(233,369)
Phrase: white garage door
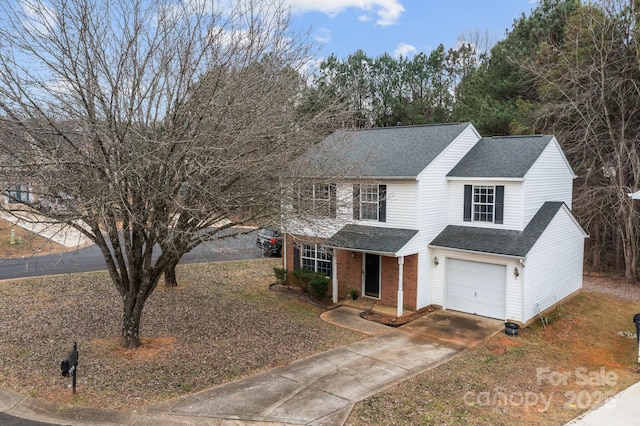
(477,288)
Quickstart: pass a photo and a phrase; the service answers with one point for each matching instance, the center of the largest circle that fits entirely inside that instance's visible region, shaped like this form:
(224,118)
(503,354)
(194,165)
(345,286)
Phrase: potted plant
(353,293)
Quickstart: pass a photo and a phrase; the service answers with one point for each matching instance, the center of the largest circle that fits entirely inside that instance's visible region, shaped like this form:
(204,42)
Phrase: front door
(372,275)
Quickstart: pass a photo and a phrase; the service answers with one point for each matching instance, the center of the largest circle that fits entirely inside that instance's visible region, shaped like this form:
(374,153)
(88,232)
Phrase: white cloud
(404,49)
(323,35)
(39,17)
(388,11)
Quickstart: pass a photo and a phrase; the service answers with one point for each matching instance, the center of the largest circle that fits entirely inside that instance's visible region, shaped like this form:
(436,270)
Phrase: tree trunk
(131,314)
(170,279)
(595,260)
(630,249)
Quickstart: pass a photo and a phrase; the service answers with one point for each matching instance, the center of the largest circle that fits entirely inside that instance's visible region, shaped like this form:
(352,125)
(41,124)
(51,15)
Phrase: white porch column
(334,275)
(400,292)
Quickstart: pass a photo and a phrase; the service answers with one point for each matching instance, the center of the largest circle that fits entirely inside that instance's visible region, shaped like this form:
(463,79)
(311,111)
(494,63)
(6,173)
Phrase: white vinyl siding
(401,205)
(549,179)
(433,205)
(554,265)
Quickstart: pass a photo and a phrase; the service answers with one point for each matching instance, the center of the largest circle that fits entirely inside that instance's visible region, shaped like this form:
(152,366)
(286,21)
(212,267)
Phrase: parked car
(270,241)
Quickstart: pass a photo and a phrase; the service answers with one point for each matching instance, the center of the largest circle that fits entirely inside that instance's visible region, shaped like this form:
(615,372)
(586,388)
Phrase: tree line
(569,68)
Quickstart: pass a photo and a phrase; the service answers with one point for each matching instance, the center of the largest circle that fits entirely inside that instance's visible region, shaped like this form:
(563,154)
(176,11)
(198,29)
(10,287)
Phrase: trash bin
(636,319)
(511,328)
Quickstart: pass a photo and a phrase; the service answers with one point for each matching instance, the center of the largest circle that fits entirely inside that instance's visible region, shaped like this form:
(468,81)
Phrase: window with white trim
(316,258)
(318,199)
(369,196)
(483,203)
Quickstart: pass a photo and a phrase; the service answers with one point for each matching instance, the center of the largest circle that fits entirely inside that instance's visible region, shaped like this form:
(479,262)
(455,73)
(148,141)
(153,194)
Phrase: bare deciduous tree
(161,124)
(589,85)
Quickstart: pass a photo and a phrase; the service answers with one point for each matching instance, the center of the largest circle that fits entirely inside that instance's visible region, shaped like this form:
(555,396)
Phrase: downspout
(334,275)
(284,255)
(400,291)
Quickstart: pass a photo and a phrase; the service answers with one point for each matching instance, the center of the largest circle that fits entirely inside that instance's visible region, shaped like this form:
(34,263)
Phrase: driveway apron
(323,388)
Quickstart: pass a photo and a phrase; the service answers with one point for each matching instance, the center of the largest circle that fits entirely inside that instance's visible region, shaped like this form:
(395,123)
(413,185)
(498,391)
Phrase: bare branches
(589,85)
(158,122)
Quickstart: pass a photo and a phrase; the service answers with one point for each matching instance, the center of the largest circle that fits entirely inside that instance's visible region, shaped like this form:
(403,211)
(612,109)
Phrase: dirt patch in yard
(544,376)
(18,242)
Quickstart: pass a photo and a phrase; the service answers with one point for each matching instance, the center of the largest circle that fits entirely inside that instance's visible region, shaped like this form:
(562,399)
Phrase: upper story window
(369,202)
(18,193)
(318,199)
(484,203)
(369,198)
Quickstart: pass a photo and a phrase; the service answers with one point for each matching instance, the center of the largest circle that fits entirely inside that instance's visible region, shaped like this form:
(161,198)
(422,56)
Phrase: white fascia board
(492,179)
(473,252)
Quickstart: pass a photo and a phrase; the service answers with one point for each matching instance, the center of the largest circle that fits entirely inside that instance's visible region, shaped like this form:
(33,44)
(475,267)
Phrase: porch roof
(374,239)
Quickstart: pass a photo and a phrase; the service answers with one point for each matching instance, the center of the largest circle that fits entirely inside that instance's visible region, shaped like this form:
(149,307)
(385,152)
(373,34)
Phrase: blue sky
(402,26)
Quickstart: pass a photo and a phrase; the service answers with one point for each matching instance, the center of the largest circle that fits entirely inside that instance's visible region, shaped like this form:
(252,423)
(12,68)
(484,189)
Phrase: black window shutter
(356,201)
(382,203)
(499,212)
(332,200)
(296,257)
(468,193)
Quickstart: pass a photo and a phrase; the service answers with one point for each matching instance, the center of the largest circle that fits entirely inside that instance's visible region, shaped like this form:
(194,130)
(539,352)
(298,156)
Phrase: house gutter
(474,252)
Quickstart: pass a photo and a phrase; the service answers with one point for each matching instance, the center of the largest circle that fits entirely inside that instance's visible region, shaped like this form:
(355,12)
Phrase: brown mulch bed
(297,293)
(370,315)
(395,321)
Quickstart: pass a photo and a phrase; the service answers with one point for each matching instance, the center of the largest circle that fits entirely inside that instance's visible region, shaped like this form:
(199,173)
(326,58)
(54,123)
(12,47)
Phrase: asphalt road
(90,258)
(7,420)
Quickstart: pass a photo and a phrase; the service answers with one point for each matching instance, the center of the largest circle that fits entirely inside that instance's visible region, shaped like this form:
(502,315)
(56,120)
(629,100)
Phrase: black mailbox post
(69,365)
(636,320)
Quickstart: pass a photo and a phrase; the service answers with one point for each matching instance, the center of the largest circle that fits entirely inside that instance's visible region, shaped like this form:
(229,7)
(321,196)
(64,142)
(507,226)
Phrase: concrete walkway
(622,409)
(318,390)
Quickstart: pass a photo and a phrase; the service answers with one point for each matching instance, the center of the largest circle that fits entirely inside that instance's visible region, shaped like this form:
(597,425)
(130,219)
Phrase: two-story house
(421,215)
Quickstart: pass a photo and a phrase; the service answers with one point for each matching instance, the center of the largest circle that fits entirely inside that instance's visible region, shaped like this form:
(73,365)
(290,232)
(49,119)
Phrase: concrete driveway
(318,390)
(322,389)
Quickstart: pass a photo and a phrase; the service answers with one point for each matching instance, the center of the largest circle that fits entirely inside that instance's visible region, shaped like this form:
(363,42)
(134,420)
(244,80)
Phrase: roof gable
(501,157)
(501,241)
(385,152)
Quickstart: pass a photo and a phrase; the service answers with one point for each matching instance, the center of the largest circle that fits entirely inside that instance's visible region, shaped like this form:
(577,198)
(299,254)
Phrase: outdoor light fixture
(435,261)
(516,273)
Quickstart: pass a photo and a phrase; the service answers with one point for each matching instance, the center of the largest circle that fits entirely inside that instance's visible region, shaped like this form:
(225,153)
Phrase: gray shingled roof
(385,152)
(499,241)
(502,157)
(371,238)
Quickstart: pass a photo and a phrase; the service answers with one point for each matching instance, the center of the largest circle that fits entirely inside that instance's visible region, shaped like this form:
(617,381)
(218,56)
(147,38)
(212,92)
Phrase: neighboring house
(16,194)
(421,215)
